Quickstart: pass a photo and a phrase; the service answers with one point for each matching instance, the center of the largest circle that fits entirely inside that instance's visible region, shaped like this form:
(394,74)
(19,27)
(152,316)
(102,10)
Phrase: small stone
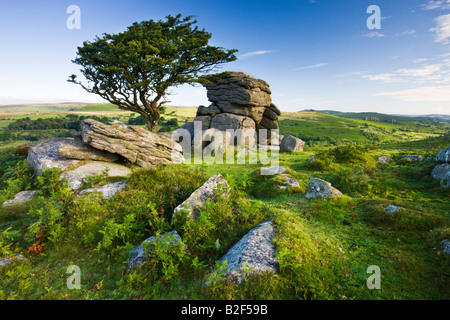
(384,159)
(20,197)
(271,171)
(321,188)
(391,209)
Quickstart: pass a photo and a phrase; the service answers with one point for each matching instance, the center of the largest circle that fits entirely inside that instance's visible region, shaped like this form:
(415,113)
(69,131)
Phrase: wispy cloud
(255,53)
(442,29)
(373,34)
(423,94)
(437,73)
(436,4)
(314,66)
(407,33)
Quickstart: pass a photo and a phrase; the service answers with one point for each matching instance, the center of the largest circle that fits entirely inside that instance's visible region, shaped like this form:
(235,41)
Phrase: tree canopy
(134,69)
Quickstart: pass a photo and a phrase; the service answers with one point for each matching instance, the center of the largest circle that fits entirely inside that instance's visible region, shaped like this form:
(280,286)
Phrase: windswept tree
(134,69)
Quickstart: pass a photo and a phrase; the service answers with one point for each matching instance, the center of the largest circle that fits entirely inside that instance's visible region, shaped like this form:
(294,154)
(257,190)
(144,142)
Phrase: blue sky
(314,53)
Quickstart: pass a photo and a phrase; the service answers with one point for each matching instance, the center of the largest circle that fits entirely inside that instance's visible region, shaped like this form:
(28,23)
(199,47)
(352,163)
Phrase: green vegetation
(324,246)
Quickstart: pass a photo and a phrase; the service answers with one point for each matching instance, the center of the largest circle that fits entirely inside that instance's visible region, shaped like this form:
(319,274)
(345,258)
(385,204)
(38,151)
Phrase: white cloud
(423,94)
(373,34)
(442,29)
(314,66)
(407,33)
(383,77)
(436,4)
(420,60)
(255,53)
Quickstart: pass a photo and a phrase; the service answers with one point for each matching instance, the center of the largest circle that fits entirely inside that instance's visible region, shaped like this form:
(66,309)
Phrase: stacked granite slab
(238,101)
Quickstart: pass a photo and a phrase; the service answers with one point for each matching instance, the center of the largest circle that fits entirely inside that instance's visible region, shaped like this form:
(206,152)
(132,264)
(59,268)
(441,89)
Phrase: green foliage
(165,256)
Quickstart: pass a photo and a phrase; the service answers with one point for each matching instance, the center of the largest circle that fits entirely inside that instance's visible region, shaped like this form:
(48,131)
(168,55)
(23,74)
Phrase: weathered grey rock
(289,183)
(270,171)
(76,177)
(212,110)
(238,88)
(443,155)
(413,157)
(321,188)
(384,159)
(391,209)
(138,255)
(272,112)
(446,246)
(44,154)
(291,144)
(253,254)
(137,145)
(108,190)
(206,192)
(205,120)
(20,197)
(267,123)
(8,260)
(226,121)
(442,173)
(76,149)
(253,112)
(189,126)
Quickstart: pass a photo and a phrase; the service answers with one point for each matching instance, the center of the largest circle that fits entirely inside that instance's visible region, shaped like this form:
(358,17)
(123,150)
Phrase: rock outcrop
(239,101)
(253,254)
(137,145)
(20,197)
(443,155)
(207,191)
(321,188)
(108,190)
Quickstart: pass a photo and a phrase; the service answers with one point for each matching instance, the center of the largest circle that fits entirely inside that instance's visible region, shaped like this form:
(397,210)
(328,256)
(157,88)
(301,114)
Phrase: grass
(324,246)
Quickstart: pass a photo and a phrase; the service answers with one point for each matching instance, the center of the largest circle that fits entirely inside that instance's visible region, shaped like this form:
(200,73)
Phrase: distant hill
(382,117)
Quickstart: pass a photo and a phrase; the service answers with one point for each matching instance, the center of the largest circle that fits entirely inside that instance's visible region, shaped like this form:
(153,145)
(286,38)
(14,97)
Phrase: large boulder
(253,254)
(76,149)
(137,145)
(207,191)
(443,155)
(322,189)
(442,172)
(76,177)
(44,154)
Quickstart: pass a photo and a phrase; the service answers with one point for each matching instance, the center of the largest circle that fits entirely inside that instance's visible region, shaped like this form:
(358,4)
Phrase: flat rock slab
(199,197)
(322,189)
(108,190)
(44,154)
(20,197)
(138,255)
(254,253)
(271,171)
(137,145)
(76,149)
(76,177)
